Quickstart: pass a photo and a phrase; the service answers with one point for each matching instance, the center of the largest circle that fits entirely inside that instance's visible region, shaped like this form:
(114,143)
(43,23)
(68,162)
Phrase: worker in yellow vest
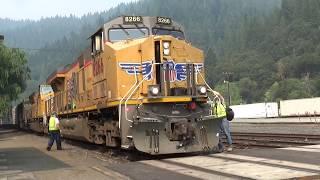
(54,132)
(220,111)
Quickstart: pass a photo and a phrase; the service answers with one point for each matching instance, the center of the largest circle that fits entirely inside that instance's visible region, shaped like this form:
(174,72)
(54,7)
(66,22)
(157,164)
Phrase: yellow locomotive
(141,85)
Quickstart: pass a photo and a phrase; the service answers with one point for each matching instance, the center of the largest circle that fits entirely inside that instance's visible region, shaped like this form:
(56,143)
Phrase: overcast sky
(35,9)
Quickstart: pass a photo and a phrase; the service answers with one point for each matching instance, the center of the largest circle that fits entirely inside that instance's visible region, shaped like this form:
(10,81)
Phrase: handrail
(144,78)
(216,94)
(136,81)
(135,86)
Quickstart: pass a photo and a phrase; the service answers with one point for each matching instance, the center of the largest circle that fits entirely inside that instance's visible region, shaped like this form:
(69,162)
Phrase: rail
(273,140)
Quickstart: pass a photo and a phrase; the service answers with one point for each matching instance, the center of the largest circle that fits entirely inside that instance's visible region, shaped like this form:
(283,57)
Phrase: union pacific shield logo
(176,71)
(136,68)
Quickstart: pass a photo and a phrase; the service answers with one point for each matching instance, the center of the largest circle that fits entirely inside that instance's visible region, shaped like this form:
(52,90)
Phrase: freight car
(305,107)
(256,110)
(300,107)
(141,85)
(23,114)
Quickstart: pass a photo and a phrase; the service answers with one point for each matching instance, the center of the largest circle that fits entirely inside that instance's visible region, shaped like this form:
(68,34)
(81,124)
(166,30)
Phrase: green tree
(234,92)
(288,89)
(316,86)
(13,75)
(271,93)
(248,89)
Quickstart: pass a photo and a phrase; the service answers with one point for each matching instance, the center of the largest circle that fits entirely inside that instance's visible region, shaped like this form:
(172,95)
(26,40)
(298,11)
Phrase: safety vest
(52,124)
(220,110)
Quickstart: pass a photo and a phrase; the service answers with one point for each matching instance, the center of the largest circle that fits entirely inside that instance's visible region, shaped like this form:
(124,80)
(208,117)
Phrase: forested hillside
(36,34)
(8,24)
(271,48)
(280,58)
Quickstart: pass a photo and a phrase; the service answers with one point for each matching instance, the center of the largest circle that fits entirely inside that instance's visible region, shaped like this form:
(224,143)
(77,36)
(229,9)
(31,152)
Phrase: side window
(97,42)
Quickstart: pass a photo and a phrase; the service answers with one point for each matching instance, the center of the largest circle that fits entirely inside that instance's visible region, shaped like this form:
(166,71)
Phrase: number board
(132,20)
(164,20)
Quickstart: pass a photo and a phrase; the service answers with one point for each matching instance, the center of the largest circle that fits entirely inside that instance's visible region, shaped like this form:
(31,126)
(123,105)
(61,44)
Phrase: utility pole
(227,81)
(1,38)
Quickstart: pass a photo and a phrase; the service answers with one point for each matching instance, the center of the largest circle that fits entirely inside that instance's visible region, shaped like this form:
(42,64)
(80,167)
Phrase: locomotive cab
(153,49)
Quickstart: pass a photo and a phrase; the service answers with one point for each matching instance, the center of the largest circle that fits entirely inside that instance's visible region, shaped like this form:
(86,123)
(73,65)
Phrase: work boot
(229,149)
(48,148)
(220,148)
(59,148)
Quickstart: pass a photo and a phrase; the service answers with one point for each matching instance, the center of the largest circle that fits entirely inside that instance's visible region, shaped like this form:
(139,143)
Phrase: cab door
(99,82)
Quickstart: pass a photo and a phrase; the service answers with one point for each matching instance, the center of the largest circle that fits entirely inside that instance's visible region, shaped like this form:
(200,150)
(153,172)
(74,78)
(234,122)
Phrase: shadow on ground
(6,133)
(28,159)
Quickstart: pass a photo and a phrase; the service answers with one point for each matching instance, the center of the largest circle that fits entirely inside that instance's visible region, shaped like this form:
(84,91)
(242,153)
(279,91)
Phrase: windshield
(124,34)
(174,33)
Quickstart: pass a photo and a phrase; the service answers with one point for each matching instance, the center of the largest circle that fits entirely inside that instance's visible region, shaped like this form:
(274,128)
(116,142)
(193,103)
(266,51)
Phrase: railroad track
(272,140)
(121,155)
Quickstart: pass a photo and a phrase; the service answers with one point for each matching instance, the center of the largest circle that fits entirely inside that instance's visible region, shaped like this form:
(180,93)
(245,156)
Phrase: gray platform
(23,156)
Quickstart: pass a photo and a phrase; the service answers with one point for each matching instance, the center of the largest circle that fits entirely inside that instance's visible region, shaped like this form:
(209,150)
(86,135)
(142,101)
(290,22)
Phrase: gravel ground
(24,156)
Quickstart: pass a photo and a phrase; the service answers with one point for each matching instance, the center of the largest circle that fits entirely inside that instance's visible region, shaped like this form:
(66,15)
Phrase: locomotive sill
(205,118)
(150,120)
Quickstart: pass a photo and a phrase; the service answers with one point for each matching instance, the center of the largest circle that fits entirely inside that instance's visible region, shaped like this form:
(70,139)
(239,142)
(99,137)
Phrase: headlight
(154,90)
(202,90)
(166,48)
(166,45)
(166,52)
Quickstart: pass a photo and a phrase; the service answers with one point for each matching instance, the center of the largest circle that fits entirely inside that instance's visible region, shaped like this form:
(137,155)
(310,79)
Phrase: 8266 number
(132,19)
(163,20)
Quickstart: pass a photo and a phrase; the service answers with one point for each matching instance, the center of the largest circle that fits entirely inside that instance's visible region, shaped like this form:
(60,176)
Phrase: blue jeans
(224,130)
(54,136)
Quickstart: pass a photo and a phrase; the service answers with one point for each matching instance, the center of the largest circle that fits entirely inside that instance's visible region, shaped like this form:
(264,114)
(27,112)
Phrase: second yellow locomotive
(141,85)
